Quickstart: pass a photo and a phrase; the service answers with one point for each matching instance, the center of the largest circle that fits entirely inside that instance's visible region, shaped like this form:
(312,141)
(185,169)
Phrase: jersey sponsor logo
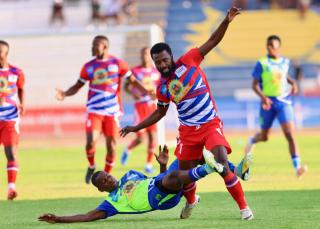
(177,90)
(113,68)
(4,89)
(180,71)
(12,78)
(101,77)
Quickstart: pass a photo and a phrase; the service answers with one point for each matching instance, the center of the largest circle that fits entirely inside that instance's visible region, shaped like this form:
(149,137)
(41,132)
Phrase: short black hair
(159,47)
(94,176)
(2,42)
(102,37)
(273,37)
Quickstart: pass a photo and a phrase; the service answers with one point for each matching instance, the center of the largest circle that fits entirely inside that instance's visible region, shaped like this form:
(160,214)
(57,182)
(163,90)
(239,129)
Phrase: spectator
(111,10)
(130,10)
(57,13)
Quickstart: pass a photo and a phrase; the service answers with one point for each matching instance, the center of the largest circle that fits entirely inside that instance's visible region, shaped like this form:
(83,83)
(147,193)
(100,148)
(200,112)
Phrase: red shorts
(9,133)
(192,139)
(142,111)
(108,125)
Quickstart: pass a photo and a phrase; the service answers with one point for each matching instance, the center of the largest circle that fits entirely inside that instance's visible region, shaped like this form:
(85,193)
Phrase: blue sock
(231,166)
(296,161)
(200,172)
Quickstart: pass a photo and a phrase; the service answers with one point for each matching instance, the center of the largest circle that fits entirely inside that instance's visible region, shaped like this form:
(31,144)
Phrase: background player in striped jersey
(144,105)
(11,106)
(104,74)
(184,83)
(271,83)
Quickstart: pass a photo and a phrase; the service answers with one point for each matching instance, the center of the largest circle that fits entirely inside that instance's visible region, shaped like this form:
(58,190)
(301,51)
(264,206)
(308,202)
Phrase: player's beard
(170,72)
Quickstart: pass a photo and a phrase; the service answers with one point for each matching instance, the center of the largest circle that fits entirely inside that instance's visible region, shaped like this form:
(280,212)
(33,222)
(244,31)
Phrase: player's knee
(173,179)
(264,138)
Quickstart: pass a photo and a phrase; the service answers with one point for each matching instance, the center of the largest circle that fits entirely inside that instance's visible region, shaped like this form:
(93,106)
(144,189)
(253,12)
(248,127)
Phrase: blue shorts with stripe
(281,109)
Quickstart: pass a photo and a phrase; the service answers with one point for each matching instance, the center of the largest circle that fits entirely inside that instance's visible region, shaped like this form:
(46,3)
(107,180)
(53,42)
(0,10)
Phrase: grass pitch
(51,180)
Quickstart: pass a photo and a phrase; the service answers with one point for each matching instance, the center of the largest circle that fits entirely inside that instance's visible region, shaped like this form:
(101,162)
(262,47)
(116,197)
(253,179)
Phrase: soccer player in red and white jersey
(11,107)
(185,84)
(144,105)
(104,74)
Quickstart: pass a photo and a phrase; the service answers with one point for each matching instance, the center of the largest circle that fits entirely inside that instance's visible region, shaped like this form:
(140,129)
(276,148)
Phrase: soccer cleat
(12,194)
(187,209)
(89,174)
(300,171)
(148,169)
(246,214)
(124,156)
(243,168)
(208,157)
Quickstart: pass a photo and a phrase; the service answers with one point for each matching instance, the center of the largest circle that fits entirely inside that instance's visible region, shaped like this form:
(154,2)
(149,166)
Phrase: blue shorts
(283,110)
(160,199)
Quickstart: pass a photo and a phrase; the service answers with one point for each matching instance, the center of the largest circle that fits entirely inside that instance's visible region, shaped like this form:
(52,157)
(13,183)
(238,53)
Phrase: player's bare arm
(61,94)
(266,102)
(293,83)
(90,216)
(162,158)
(133,80)
(152,119)
(21,105)
(218,34)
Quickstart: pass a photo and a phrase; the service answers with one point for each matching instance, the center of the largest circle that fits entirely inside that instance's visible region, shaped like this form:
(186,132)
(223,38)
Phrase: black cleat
(89,175)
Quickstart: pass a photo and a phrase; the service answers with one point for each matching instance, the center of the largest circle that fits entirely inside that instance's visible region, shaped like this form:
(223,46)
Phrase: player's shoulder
(115,60)
(136,68)
(90,62)
(14,69)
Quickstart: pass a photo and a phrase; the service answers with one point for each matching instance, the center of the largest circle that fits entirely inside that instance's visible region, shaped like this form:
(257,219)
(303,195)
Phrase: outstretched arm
(71,91)
(133,80)
(90,216)
(150,120)
(218,34)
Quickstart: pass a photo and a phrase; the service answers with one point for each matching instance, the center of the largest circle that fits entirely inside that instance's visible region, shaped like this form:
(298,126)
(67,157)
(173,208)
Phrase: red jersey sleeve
(83,74)
(192,57)
(124,70)
(21,80)
(163,100)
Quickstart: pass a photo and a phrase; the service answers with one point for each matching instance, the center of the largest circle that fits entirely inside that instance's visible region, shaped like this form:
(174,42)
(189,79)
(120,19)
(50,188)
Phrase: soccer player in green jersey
(135,193)
(271,83)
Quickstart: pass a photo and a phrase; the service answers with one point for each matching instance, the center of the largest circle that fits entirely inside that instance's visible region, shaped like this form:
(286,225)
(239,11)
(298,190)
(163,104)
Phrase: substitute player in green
(135,193)
(271,83)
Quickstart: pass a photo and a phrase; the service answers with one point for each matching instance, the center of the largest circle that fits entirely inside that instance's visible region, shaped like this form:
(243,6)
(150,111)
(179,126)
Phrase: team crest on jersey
(180,71)
(113,68)
(100,76)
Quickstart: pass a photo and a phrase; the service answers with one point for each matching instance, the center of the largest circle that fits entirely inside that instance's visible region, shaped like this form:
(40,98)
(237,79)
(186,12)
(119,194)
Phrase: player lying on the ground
(136,193)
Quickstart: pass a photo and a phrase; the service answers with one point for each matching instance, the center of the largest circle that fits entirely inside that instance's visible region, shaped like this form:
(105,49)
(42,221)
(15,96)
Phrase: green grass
(51,180)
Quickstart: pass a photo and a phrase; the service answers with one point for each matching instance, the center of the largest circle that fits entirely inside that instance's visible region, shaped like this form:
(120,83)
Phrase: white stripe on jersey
(9,113)
(197,107)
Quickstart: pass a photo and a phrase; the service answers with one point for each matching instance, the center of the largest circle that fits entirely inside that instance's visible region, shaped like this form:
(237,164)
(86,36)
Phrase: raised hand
(232,13)
(163,156)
